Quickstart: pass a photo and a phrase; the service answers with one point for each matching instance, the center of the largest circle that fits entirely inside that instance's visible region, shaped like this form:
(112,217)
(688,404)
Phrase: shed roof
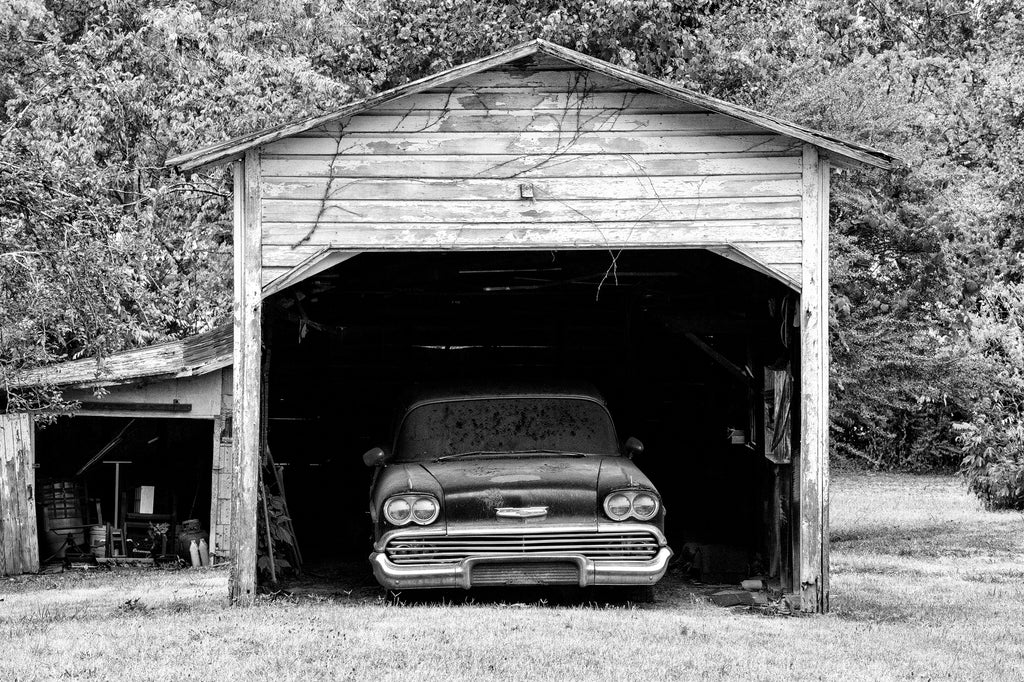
(841,150)
(193,356)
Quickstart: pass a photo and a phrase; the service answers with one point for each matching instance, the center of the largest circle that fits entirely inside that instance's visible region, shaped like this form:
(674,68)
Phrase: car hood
(475,489)
(472,490)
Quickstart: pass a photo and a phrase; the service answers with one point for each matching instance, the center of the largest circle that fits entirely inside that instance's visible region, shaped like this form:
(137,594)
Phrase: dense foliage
(101,249)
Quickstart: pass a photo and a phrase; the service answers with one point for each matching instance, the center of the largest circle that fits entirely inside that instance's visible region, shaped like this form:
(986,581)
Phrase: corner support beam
(812,474)
(248,309)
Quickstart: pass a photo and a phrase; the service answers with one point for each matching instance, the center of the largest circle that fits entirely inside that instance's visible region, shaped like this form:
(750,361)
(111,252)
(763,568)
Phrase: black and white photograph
(511,340)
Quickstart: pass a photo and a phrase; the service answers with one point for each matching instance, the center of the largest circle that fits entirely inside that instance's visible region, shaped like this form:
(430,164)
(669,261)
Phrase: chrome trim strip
(460,575)
(488,528)
(520,512)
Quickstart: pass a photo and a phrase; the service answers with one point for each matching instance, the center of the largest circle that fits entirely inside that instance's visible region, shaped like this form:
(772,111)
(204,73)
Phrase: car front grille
(526,573)
(636,545)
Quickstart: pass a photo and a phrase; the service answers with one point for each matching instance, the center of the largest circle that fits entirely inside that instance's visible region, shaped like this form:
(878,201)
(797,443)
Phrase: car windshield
(514,425)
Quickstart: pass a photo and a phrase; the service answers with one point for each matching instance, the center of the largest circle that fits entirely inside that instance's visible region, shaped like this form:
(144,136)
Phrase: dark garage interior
(82,487)
(675,340)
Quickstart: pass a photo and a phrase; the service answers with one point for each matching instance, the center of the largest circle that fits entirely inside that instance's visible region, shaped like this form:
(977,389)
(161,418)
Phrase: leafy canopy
(100,249)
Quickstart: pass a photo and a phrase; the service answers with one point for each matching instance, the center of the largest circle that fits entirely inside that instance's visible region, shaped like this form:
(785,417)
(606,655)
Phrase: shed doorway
(128,490)
(677,341)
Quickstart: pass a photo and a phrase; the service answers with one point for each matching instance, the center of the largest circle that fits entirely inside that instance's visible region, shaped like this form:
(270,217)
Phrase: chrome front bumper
(459,574)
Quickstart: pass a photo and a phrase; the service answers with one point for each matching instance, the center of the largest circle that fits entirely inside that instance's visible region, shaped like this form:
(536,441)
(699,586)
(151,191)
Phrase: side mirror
(634,447)
(373,457)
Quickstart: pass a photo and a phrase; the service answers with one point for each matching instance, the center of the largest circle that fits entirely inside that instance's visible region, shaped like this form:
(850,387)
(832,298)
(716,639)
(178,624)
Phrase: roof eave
(179,359)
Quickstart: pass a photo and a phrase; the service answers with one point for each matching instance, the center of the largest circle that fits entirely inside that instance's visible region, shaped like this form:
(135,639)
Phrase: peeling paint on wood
(577,96)
(507,166)
(812,464)
(446,120)
(584,212)
(247,372)
(654,142)
(19,543)
(546,189)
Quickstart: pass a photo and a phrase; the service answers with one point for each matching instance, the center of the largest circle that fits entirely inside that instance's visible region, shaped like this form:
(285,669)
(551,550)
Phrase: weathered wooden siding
(607,165)
(223,470)
(220,490)
(202,393)
(812,463)
(19,543)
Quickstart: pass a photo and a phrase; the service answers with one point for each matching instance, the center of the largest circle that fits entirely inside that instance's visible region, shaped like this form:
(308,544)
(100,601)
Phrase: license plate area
(526,573)
(525,570)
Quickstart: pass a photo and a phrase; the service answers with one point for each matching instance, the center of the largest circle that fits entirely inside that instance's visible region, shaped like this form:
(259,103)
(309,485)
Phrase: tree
(102,249)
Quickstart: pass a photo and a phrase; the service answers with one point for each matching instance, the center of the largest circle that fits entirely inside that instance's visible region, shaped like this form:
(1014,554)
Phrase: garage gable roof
(841,150)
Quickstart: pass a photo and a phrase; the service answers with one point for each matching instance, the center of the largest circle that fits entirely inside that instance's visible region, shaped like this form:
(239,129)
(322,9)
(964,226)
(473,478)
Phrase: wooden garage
(532,156)
(539,148)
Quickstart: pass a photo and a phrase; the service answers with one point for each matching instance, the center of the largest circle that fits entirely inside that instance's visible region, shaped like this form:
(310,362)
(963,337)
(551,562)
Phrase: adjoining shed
(150,444)
(543,213)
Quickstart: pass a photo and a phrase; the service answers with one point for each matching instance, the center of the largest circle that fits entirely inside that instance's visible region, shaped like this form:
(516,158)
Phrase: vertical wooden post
(216,466)
(812,475)
(247,352)
(223,471)
(19,544)
(824,175)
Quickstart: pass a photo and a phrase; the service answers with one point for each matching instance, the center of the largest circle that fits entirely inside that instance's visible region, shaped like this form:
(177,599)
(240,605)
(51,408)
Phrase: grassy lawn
(926,585)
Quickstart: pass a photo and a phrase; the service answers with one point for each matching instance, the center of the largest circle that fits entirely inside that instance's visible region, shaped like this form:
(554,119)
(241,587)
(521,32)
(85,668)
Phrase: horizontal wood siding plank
(459,144)
(781,255)
(541,62)
(791,270)
(288,244)
(563,80)
(287,257)
(551,189)
(583,120)
(525,211)
(527,166)
(461,98)
(270,273)
(775,252)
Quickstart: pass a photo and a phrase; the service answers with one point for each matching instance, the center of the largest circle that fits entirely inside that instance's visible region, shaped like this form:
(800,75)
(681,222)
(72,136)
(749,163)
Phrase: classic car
(512,486)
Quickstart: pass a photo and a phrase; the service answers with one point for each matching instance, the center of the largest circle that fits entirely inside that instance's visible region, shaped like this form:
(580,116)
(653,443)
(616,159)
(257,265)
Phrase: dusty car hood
(472,490)
(475,489)
(571,487)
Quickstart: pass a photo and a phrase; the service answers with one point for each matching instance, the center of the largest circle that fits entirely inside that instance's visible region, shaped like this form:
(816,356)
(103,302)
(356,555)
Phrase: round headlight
(617,506)
(645,506)
(424,510)
(398,511)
